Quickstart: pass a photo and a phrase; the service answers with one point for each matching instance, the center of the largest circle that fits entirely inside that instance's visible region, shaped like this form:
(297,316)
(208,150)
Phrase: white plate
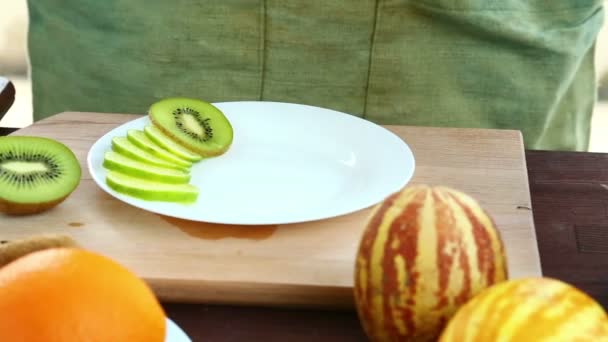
(175,333)
(288,163)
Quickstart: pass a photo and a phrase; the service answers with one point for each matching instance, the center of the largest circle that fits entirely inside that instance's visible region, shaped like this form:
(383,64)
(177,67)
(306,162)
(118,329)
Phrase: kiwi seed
(204,123)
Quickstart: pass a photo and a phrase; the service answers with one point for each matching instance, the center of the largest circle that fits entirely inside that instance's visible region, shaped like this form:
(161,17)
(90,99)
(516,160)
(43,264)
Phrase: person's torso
(511,64)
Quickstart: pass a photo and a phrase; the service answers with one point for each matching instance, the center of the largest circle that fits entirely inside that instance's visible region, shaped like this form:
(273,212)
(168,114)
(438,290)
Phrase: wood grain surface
(307,264)
(570,200)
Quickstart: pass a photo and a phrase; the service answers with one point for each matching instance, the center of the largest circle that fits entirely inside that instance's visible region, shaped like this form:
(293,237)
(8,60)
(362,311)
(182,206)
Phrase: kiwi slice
(36,174)
(139,139)
(118,162)
(197,125)
(150,190)
(123,146)
(157,136)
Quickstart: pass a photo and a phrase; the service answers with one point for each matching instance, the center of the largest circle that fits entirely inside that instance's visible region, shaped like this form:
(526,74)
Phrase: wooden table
(569,194)
(570,204)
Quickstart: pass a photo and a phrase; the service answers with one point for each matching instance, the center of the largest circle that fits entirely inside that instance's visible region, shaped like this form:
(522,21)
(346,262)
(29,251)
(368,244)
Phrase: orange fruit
(70,294)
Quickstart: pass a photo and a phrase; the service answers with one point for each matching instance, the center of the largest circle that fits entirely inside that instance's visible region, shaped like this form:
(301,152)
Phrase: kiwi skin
(13,250)
(20,209)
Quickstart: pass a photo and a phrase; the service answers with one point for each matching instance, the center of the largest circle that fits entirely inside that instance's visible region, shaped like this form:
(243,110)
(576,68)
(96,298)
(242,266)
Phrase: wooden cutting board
(309,264)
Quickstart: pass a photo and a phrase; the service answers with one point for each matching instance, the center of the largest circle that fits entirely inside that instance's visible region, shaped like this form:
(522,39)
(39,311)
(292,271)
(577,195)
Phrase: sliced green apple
(157,136)
(117,162)
(150,190)
(139,139)
(123,146)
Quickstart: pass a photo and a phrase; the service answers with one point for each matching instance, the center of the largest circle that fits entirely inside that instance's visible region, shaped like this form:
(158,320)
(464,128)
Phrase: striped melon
(425,252)
(533,309)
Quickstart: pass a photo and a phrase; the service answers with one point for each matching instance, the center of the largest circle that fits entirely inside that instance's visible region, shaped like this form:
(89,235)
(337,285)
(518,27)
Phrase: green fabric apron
(513,64)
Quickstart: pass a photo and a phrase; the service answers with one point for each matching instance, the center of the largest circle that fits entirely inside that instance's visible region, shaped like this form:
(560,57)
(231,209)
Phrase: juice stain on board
(212,231)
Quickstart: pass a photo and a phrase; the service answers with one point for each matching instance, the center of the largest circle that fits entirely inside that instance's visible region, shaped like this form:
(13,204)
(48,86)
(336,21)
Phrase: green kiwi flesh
(139,139)
(197,125)
(36,174)
(157,136)
(123,146)
(150,190)
(120,163)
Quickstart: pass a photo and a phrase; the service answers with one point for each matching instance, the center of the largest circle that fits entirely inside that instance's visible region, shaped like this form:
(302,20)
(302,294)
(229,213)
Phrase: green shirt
(512,64)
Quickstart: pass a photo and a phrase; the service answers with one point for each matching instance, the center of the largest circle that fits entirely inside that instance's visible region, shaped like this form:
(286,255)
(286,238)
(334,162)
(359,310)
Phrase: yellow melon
(533,309)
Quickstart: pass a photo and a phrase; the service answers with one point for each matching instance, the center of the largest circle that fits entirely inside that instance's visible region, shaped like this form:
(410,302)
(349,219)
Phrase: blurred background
(13,63)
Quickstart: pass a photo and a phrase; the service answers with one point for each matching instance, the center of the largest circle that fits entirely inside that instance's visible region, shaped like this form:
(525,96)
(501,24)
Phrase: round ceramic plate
(175,333)
(288,163)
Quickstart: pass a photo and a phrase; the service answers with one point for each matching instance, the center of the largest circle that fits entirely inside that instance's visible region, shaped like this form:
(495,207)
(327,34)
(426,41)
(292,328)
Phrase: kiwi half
(150,190)
(197,125)
(36,174)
